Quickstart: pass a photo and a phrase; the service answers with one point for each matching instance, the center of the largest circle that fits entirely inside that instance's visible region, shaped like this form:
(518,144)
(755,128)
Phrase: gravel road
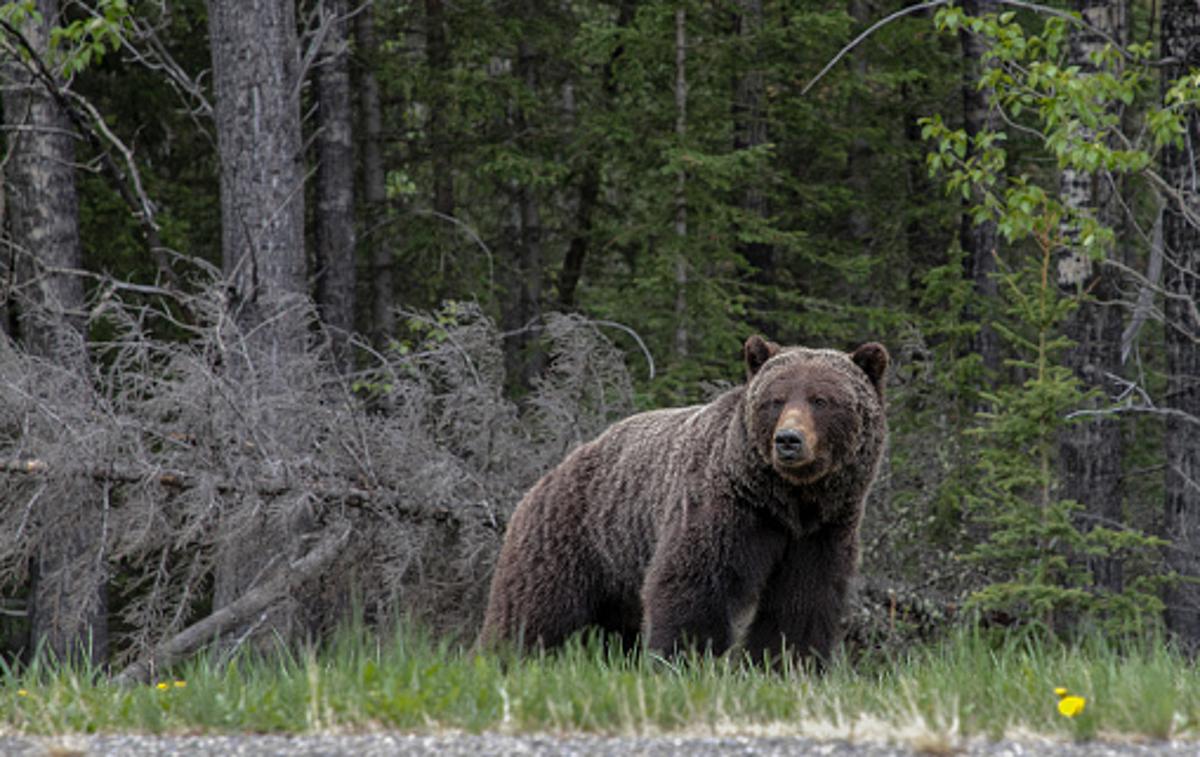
(465,745)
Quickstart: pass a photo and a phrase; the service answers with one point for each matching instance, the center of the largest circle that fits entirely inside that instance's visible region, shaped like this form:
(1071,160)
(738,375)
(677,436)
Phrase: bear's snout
(794,443)
(790,445)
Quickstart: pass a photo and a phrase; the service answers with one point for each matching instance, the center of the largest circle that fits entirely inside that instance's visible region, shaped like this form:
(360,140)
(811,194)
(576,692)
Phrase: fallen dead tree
(237,614)
(174,481)
(418,457)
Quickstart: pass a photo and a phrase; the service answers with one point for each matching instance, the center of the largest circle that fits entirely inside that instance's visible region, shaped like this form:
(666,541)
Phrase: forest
(299,297)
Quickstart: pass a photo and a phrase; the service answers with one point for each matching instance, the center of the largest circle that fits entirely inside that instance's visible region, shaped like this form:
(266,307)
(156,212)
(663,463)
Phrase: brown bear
(706,526)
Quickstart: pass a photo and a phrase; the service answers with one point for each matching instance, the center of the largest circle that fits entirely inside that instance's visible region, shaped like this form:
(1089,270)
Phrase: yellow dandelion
(180,684)
(162,686)
(22,693)
(1069,705)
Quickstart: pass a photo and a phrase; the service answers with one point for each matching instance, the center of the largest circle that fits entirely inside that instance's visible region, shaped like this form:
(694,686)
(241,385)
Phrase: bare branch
(97,133)
(236,613)
(1165,412)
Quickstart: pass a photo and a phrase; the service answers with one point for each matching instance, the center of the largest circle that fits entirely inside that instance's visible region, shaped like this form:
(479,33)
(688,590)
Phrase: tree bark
(68,598)
(1181,284)
(523,361)
(256,81)
(255,78)
(572,267)
(1090,452)
(334,218)
(383,319)
(589,185)
(979,240)
(681,210)
(437,52)
(749,132)
(859,152)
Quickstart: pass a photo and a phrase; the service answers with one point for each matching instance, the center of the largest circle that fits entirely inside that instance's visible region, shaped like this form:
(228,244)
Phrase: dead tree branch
(91,124)
(263,487)
(235,614)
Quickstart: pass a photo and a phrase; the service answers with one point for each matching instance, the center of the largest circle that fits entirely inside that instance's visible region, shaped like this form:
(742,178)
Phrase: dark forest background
(299,297)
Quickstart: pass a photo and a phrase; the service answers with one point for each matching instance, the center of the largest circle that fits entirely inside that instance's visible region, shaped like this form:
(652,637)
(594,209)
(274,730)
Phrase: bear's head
(807,410)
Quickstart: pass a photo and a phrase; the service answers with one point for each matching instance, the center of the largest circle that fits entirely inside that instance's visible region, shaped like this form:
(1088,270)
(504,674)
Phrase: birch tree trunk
(1181,284)
(68,599)
(1090,452)
(334,217)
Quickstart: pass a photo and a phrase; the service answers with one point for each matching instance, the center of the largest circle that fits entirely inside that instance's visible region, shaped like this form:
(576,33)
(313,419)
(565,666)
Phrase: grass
(932,697)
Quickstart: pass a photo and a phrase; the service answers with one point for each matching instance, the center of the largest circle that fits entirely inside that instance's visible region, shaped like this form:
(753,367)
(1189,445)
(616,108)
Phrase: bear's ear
(757,351)
(872,357)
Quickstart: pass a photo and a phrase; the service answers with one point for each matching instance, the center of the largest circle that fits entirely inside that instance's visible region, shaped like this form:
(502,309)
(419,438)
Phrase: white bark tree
(1090,452)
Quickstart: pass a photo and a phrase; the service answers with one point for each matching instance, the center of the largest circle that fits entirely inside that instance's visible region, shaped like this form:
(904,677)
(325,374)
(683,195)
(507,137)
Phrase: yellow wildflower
(180,684)
(162,686)
(22,693)
(1069,705)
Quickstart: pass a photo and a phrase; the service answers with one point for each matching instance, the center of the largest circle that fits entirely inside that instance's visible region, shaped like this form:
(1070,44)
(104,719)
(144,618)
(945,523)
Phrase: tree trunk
(859,153)
(523,361)
(334,232)
(681,210)
(979,240)
(437,52)
(255,78)
(68,599)
(383,319)
(750,131)
(589,184)
(572,267)
(1090,452)
(1181,284)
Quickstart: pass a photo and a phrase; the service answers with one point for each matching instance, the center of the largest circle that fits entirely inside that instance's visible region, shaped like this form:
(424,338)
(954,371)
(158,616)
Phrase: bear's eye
(819,402)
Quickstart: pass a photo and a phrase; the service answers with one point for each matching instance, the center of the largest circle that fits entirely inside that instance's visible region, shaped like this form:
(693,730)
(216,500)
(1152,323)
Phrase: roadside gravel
(471,745)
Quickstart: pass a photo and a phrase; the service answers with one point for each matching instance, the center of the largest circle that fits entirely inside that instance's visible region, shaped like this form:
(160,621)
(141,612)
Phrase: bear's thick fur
(734,521)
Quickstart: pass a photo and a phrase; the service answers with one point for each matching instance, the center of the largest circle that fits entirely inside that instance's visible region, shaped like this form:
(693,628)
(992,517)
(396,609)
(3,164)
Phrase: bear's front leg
(800,611)
(703,574)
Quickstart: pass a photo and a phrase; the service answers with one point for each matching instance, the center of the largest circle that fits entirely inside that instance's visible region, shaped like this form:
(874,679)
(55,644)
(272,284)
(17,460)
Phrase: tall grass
(961,688)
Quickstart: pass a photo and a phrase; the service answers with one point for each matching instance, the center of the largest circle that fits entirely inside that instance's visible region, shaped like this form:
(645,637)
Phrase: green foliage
(81,42)
(510,133)
(1036,550)
(533,103)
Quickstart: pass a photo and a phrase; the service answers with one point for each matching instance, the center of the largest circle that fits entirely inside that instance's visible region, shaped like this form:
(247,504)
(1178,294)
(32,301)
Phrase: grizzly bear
(733,522)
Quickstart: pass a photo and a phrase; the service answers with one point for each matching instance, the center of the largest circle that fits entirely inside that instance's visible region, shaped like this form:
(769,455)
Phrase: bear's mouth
(801,470)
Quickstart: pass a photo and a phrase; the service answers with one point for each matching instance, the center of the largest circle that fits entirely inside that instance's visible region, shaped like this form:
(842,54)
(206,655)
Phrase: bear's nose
(789,444)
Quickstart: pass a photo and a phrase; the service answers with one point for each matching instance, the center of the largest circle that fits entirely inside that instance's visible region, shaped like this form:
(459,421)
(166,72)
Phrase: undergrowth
(933,696)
